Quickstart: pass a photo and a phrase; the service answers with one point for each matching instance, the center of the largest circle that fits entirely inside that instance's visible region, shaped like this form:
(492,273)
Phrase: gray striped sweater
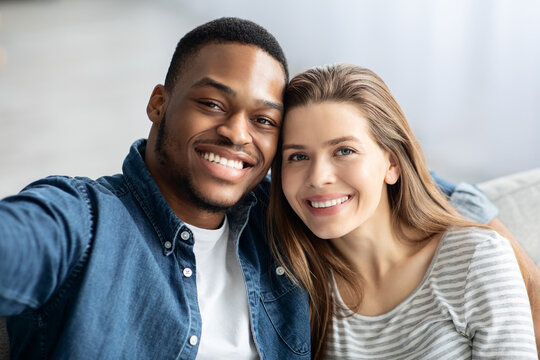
(471,304)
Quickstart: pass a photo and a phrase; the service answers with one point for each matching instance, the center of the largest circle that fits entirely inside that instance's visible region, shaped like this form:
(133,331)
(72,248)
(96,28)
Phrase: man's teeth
(328,203)
(236,164)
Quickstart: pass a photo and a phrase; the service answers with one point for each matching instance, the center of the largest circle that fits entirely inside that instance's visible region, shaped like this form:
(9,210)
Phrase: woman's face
(333,172)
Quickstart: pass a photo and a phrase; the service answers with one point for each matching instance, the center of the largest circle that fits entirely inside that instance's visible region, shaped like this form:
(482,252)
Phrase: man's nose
(321,173)
(236,128)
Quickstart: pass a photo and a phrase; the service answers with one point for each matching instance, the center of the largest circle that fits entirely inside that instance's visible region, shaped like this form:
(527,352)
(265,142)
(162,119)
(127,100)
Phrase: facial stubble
(183,182)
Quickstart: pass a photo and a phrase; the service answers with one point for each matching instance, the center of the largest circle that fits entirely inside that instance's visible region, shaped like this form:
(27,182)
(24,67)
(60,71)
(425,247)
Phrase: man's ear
(393,172)
(157,104)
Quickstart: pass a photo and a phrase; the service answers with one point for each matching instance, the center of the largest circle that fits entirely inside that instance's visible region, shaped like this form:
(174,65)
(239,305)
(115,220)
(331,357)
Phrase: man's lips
(235,160)
(236,164)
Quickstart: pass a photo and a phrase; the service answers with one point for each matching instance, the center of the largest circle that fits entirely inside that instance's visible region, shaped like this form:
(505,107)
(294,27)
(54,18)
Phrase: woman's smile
(333,176)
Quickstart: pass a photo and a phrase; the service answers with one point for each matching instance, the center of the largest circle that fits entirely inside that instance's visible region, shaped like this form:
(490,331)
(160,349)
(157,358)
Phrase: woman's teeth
(328,203)
(235,164)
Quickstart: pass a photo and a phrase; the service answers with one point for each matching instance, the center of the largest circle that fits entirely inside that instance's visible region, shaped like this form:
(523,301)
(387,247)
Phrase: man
(168,259)
(144,264)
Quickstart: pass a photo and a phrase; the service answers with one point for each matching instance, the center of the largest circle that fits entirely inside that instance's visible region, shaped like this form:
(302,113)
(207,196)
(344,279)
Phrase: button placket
(183,243)
(185,236)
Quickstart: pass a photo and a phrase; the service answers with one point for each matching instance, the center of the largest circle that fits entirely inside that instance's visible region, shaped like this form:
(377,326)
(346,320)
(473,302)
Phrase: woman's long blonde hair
(415,201)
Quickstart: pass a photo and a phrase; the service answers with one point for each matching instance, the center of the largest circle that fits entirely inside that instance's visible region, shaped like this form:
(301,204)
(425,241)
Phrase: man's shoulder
(59,188)
(55,185)
(111,182)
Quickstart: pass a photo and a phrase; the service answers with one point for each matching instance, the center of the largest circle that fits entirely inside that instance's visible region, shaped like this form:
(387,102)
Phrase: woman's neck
(374,249)
(389,267)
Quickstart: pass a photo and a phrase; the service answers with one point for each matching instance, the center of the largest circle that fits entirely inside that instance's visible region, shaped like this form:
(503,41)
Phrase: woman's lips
(325,205)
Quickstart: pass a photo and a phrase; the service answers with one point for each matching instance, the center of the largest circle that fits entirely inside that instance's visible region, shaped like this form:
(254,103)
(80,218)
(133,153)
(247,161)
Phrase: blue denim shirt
(92,269)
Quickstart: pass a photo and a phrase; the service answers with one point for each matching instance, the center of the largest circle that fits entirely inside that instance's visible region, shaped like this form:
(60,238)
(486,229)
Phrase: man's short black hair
(222,30)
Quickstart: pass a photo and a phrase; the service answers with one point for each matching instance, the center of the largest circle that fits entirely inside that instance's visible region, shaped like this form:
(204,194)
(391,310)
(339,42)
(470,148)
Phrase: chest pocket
(286,307)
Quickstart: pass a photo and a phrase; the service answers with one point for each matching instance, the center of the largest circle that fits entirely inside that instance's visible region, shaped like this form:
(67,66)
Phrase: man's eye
(263,121)
(211,105)
(345,151)
(297,157)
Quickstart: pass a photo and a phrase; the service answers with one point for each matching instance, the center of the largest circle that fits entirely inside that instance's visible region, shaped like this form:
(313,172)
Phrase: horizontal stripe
(472,300)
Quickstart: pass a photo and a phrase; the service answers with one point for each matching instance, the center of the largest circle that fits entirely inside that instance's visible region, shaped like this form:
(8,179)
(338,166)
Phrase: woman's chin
(327,234)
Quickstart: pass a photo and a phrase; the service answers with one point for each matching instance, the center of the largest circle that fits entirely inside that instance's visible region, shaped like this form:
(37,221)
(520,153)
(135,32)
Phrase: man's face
(215,134)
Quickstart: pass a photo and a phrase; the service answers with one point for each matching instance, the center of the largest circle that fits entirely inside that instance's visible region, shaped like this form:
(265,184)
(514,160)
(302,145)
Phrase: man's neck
(192,214)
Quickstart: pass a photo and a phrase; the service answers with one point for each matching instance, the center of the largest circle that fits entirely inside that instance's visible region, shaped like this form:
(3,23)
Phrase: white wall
(76,75)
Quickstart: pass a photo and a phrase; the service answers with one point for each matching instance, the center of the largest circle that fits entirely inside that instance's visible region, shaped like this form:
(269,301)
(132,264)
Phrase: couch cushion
(518,198)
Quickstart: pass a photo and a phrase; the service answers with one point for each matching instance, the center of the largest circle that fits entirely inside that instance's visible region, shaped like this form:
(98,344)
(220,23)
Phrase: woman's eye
(345,151)
(297,157)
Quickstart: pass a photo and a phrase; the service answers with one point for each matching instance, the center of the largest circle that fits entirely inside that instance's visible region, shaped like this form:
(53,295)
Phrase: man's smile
(223,163)
(225,157)
(215,158)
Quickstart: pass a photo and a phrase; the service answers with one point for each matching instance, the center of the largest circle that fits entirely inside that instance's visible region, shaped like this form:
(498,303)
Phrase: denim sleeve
(468,200)
(472,203)
(44,231)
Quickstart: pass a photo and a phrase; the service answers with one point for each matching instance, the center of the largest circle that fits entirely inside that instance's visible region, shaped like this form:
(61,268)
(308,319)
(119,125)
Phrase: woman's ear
(393,172)
(157,104)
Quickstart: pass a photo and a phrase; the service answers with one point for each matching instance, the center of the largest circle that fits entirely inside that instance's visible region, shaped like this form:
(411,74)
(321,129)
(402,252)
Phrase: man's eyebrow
(206,81)
(328,143)
(272,104)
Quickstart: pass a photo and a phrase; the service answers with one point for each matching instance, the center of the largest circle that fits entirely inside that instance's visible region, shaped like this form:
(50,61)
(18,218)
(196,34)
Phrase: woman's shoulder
(475,237)
(462,247)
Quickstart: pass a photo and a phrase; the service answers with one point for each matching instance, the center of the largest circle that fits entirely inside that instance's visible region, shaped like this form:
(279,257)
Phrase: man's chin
(215,198)
(213,203)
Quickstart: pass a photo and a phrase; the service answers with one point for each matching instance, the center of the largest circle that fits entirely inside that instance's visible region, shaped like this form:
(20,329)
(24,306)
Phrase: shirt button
(184,235)
(167,245)
(280,270)
(187,273)
(193,340)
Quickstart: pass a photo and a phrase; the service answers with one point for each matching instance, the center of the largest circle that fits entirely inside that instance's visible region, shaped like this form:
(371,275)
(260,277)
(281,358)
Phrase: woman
(391,269)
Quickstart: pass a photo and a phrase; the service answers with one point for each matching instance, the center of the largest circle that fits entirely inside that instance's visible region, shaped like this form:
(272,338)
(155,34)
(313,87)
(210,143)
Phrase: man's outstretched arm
(44,231)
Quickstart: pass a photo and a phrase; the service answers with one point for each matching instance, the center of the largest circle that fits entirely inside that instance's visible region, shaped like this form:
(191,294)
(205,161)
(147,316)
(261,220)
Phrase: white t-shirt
(222,295)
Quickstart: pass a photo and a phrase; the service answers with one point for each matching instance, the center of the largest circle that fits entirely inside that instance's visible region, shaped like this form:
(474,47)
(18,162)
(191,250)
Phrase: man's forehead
(234,68)
(219,52)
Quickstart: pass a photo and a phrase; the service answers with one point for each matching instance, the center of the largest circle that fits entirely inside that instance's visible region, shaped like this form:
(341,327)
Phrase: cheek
(370,174)
(267,144)
(289,184)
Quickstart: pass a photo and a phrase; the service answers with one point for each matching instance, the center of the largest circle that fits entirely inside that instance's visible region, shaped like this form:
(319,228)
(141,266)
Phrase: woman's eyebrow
(292,146)
(342,139)
(331,142)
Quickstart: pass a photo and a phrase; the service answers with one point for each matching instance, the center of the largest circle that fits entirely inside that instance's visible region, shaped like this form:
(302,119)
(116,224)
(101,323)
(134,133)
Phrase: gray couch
(517,196)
